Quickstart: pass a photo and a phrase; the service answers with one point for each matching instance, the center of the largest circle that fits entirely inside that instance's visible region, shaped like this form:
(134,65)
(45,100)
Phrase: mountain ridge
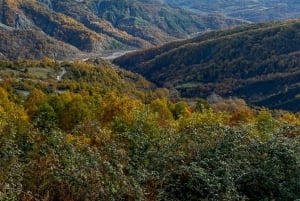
(254,11)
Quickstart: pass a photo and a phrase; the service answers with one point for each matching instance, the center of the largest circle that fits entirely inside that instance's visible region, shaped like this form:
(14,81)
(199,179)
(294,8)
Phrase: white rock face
(22,22)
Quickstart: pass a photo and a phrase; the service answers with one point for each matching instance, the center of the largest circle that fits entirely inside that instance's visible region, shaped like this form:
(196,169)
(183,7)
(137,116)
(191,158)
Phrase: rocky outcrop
(2,57)
(22,22)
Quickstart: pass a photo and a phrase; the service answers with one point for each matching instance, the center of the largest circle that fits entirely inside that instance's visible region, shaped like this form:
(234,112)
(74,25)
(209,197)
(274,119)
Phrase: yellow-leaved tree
(113,106)
(35,98)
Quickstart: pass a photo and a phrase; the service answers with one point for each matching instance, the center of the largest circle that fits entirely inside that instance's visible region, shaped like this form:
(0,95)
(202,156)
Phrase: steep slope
(96,26)
(255,11)
(258,62)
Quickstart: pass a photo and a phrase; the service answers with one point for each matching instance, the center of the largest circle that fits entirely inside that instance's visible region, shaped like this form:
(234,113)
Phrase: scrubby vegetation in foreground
(112,145)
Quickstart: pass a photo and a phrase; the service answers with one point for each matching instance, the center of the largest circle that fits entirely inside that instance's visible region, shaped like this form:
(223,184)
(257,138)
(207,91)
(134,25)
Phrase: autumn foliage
(94,144)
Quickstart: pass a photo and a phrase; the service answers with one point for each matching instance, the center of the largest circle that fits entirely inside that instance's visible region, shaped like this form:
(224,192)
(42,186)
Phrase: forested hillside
(72,131)
(33,44)
(258,62)
(95,26)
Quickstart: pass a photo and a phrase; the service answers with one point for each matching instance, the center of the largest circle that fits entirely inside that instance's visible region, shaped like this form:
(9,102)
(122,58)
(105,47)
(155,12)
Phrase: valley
(149,100)
(137,35)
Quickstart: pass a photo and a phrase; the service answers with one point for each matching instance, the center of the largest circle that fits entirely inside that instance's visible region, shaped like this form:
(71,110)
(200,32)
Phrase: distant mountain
(251,10)
(257,62)
(96,25)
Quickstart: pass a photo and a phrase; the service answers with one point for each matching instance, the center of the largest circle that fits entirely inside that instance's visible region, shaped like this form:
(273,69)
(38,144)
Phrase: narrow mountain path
(64,71)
